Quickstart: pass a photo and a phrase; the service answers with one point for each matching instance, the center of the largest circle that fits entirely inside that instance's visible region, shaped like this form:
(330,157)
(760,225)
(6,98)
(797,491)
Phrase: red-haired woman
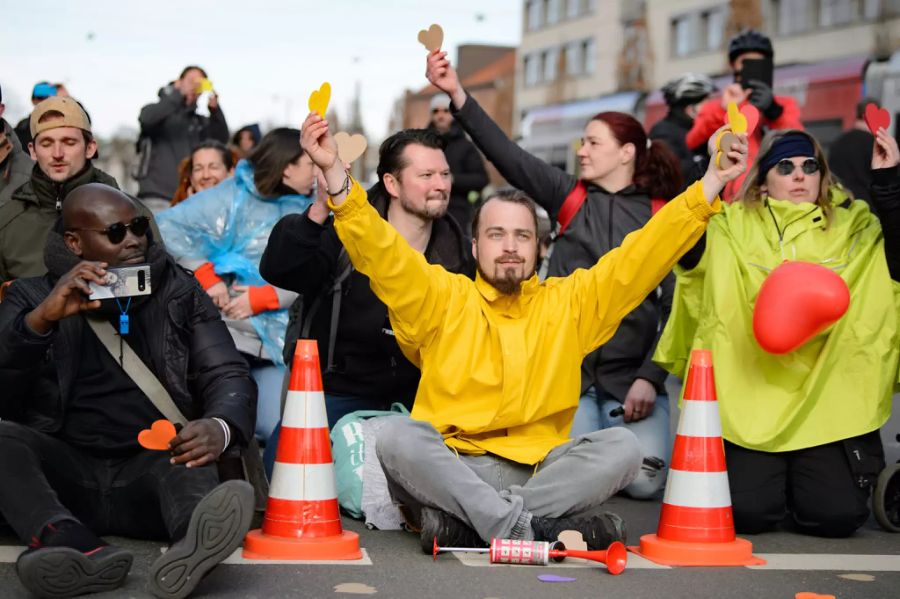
(622,172)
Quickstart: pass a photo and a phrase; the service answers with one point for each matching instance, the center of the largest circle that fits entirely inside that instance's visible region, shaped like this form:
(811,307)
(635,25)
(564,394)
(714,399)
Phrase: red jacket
(712,116)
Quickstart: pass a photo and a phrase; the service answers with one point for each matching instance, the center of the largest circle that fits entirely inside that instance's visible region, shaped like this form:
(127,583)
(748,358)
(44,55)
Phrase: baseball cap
(440,101)
(73,115)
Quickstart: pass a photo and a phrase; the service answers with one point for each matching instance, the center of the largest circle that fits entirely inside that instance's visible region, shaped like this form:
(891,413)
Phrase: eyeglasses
(785,167)
(437,110)
(116,231)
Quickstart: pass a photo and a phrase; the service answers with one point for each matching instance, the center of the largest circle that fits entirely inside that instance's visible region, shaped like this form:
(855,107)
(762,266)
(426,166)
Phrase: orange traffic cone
(696,525)
(302,518)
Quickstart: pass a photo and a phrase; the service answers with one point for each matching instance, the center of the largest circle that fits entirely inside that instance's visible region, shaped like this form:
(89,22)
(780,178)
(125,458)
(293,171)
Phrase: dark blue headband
(789,146)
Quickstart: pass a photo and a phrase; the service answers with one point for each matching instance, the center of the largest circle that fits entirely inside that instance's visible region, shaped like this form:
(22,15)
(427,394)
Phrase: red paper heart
(158,435)
(807,595)
(877,117)
(752,115)
(797,301)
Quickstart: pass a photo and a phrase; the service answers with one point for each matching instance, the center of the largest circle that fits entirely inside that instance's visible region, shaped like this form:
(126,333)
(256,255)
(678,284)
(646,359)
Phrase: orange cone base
(339,547)
(738,552)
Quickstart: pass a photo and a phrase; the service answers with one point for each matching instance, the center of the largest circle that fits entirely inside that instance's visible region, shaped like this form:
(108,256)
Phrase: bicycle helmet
(749,40)
(690,88)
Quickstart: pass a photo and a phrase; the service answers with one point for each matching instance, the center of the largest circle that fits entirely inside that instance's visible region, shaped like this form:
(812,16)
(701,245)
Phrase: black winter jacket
(169,131)
(672,130)
(598,227)
(177,333)
(467,168)
(302,256)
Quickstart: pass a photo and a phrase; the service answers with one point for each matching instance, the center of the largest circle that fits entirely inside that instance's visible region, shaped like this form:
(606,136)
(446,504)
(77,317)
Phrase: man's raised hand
(68,297)
(443,76)
(318,142)
(885,154)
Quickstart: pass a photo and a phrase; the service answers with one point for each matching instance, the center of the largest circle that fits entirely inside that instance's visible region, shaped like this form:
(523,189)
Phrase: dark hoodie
(169,131)
(303,256)
(31,212)
(15,170)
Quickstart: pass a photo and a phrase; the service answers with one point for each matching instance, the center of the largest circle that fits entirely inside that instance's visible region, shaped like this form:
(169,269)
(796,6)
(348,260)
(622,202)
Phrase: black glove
(762,97)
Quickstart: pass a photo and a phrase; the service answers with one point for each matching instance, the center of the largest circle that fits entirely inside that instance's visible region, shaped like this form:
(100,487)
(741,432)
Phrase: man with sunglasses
(70,462)
(466,163)
(63,149)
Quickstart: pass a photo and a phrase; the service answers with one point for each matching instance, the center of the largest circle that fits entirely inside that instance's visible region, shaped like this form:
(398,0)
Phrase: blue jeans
(336,406)
(653,435)
(268,379)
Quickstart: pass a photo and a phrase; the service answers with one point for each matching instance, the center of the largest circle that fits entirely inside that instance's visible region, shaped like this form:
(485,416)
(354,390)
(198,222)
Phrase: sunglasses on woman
(785,167)
(116,231)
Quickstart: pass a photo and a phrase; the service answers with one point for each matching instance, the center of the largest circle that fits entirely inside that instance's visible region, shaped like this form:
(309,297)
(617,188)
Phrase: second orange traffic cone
(302,520)
(696,524)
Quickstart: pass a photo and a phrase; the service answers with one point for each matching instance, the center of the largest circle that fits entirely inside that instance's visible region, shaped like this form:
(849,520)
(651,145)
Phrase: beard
(433,208)
(505,279)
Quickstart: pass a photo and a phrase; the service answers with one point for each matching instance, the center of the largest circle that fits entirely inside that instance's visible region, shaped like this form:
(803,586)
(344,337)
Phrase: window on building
(573,8)
(836,12)
(871,9)
(588,56)
(554,10)
(682,41)
(795,16)
(533,9)
(589,7)
(712,24)
(530,66)
(550,59)
(574,61)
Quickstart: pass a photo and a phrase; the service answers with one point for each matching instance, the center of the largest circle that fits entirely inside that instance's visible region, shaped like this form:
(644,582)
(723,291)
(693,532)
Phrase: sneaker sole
(217,527)
(64,572)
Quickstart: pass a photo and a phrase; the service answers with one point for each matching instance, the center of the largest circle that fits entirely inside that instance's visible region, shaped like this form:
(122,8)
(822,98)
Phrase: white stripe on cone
(697,489)
(303,482)
(305,409)
(699,419)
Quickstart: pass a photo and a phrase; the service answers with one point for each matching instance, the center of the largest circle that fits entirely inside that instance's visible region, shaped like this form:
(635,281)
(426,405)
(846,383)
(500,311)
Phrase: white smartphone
(124,281)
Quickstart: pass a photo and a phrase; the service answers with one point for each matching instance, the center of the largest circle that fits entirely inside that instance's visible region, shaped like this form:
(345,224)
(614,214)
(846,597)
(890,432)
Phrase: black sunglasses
(116,231)
(785,167)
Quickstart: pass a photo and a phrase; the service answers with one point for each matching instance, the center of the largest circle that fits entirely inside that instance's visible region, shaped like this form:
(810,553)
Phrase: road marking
(774,561)
(9,554)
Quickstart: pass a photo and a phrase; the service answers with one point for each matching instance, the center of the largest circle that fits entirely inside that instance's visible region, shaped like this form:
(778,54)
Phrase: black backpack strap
(344,269)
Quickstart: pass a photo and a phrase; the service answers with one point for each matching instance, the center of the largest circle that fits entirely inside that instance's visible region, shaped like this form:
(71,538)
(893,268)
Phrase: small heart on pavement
(806,595)
(157,436)
(432,38)
(876,117)
(555,578)
(319,99)
(350,147)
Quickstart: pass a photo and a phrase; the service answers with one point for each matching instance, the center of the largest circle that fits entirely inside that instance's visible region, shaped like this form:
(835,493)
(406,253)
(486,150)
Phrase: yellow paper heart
(736,119)
(319,99)
(432,38)
(350,147)
(206,86)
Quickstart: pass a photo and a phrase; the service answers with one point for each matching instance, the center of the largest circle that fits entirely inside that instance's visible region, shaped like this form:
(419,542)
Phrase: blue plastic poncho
(229,225)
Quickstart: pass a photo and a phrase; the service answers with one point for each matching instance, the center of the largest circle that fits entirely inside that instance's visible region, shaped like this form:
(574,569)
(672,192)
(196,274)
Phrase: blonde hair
(751,192)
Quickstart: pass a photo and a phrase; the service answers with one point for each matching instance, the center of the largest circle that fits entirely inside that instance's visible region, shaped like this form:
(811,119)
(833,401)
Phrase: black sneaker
(450,531)
(217,527)
(598,531)
(66,572)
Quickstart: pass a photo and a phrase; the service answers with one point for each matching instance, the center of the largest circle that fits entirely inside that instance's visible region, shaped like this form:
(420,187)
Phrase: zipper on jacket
(58,198)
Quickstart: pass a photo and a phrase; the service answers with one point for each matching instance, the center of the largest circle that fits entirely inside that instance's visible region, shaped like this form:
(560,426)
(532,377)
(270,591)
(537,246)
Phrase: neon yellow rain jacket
(502,374)
(837,385)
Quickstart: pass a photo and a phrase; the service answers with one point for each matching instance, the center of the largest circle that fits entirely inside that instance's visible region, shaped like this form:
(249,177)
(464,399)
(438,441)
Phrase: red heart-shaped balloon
(751,113)
(796,302)
(157,436)
(877,117)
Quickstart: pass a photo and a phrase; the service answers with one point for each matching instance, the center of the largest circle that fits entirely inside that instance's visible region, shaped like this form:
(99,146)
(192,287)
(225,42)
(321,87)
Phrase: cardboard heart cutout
(796,302)
(157,437)
(319,99)
(350,147)
(751,114)
(723,144)
(432,38)
(876,117)
(737,122)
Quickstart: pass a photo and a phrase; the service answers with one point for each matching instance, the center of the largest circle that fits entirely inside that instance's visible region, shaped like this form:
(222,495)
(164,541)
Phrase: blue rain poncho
(229,225)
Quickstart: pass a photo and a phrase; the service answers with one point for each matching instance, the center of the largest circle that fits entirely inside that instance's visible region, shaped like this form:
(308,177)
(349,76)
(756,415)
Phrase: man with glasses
(64,149)
(466,163)
(70,461)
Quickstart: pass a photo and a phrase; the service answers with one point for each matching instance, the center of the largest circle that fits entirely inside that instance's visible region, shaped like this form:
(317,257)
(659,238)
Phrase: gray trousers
(498,497)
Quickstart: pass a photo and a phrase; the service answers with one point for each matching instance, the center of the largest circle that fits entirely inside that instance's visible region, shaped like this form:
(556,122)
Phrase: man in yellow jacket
(487,451)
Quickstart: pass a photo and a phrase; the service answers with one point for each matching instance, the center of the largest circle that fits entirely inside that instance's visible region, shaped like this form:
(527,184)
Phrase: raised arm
(624,277)
(415,292)
(886,196)
(547,184)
